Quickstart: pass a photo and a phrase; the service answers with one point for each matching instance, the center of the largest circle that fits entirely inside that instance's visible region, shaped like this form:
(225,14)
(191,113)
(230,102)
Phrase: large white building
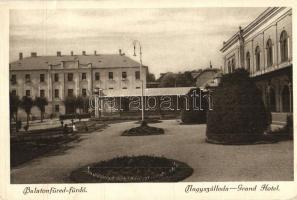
(264,48)
(59,76)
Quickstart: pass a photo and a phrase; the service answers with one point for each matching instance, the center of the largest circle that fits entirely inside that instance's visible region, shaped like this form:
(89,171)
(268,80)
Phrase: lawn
(185,143)
(26,146)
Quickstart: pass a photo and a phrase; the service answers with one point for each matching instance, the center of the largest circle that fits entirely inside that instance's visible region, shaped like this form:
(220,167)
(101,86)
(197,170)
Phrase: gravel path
(186,143)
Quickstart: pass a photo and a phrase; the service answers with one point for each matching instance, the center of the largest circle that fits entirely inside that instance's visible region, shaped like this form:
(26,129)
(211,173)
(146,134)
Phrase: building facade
(264,49)
(60,76)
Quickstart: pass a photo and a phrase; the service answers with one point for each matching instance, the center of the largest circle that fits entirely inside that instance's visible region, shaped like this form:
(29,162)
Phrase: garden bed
(132,169)
(150,121)
(265,139)
(26,148)
(143,130)
(281,134)
(89,126)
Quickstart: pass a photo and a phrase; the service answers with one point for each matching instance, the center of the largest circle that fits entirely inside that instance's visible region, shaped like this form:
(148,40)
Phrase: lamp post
(135,42)
(98,105)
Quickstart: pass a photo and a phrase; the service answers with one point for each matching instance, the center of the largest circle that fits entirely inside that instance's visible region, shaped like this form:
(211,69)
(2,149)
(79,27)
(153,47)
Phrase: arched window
(284,46)
(248,61)
(258,56)
(269,53)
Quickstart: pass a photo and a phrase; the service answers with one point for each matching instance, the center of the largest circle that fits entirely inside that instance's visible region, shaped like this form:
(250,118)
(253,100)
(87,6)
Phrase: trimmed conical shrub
(194,107)
(239,114)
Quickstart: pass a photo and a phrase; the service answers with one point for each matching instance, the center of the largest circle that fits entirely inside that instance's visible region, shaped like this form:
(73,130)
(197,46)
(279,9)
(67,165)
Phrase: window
(56,93)
(110,75)
(248,61)
(110,88)
(137,75)
(41,78)
(57,108)
(83,76)
(124,75)
(84,92)
(28,93)
(41,92)
(284,46)
(13,92)
(137,87)
(269,53)
(13,79)
(70,92)
(70,77)
(27,78)
(97,76)
(56,77)
(257,54)
(124,88)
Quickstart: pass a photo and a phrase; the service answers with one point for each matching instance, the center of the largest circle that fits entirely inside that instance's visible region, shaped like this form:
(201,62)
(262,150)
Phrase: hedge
(239,114)
(75,116)
(192,113)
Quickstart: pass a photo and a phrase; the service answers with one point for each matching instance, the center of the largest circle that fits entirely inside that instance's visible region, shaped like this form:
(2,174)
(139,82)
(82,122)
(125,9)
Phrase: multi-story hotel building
(264,48)
(56,77)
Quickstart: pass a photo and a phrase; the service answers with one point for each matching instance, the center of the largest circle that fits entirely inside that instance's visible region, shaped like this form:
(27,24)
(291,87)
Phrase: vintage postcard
(147,100)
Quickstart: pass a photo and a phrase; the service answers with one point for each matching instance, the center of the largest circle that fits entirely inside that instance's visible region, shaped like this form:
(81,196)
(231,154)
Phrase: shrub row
(239,114)
(192,113)
(75,116)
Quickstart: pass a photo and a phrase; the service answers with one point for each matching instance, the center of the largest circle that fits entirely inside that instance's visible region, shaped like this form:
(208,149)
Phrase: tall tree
(181,79)
(80,103)
(150,77)
(185,79)
(168,80)
(14,103)
(27,104)
(86,104)
(41,102)
(70,104)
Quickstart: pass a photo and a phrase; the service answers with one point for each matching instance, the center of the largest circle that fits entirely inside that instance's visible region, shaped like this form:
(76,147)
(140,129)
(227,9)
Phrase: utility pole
(135,42)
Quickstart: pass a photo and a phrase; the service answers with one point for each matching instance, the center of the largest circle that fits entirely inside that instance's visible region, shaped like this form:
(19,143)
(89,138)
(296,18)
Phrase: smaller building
(158,102)
(208,77)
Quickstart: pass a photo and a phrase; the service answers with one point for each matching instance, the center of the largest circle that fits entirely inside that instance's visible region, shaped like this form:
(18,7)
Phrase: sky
(172,39)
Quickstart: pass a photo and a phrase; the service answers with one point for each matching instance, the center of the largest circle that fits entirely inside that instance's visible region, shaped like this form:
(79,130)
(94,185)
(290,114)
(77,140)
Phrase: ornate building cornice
(262,18)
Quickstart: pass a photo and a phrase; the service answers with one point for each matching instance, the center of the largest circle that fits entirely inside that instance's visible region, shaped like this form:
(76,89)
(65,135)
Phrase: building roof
(97,61)
(250,27)
(195,73)
(215,70)
(174,91)
(207,77)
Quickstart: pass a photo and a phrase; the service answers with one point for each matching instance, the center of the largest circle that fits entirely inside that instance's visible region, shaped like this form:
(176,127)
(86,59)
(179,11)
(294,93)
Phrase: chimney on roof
(59,53)
(33,54)
(83,53)
(20,56)
(95,53)
(71,53)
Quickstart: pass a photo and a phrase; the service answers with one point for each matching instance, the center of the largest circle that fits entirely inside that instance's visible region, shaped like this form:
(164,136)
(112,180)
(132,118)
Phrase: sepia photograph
(151,95)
